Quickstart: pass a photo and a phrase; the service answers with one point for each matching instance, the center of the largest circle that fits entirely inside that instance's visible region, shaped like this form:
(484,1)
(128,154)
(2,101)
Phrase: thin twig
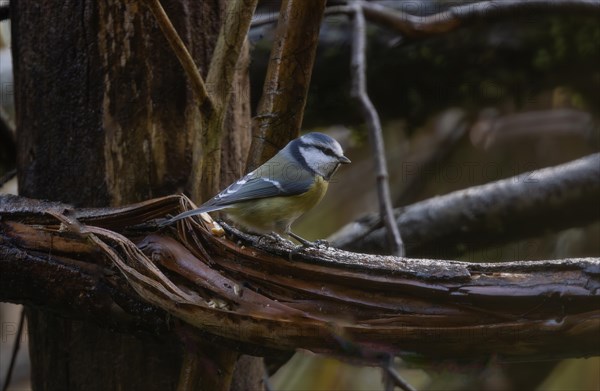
(388,382)
(395,376)
(184,56)
(15,351)
(359,92)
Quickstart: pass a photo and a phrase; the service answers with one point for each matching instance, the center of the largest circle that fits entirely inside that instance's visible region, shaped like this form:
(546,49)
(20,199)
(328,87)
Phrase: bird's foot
(321,243)
(273,236)
(239,235)
(306,244)
(316,244)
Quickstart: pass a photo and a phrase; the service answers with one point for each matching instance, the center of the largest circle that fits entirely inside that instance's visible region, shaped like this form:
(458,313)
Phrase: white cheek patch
(316,159)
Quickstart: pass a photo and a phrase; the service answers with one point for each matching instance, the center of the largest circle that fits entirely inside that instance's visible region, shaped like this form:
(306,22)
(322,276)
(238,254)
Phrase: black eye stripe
(326,151)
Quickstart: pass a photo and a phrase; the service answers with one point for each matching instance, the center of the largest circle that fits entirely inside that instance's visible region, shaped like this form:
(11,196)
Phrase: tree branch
(183,55)
(418,26)
(526,205)
(206,144)
(415,26)
(234,31)
(281,107)
(261,300)
(396,379)
(206,157)
(359,93)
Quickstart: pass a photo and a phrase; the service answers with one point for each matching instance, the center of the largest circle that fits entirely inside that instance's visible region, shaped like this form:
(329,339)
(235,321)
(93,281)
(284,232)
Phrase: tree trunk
(105,116)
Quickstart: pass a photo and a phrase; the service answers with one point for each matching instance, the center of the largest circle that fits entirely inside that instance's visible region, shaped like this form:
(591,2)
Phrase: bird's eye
(328,152)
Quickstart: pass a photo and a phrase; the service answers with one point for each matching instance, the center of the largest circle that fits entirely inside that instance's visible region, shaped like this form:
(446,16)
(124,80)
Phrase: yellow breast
(277,213)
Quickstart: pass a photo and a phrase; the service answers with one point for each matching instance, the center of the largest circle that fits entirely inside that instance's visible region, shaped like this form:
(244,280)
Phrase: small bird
(269,199)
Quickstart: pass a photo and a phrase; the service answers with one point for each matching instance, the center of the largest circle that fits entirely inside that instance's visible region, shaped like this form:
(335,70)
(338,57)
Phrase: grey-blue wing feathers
(250,187)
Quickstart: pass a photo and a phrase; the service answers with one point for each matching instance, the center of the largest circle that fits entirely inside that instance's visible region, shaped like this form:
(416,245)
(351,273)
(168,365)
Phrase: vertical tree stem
(232,36)
(359,92)
(281,108)
(206,160)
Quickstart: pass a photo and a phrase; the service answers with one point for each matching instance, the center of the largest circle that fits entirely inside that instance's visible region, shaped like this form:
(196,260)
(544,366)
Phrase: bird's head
(318,153)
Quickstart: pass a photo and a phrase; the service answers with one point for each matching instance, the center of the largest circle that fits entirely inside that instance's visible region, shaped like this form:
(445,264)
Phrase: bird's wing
(250,187)
(253,187)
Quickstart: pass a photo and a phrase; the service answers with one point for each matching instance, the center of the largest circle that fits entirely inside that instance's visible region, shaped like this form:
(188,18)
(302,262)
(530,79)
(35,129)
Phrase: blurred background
(492,99)
(497,97)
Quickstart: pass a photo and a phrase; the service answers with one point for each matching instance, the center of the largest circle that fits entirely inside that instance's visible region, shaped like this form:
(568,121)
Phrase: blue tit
(270,198)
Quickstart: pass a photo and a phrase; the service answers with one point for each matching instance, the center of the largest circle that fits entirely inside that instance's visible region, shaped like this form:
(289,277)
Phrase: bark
(96,85)
(228,60)
(105,117)
(453,17)
(520,207)
(281,107)
(325,300)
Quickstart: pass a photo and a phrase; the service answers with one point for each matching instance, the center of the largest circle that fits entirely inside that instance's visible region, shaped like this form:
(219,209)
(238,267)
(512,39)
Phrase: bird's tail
(193,212)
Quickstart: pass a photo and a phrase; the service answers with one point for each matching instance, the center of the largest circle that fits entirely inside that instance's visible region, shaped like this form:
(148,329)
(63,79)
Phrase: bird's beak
(344,160)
